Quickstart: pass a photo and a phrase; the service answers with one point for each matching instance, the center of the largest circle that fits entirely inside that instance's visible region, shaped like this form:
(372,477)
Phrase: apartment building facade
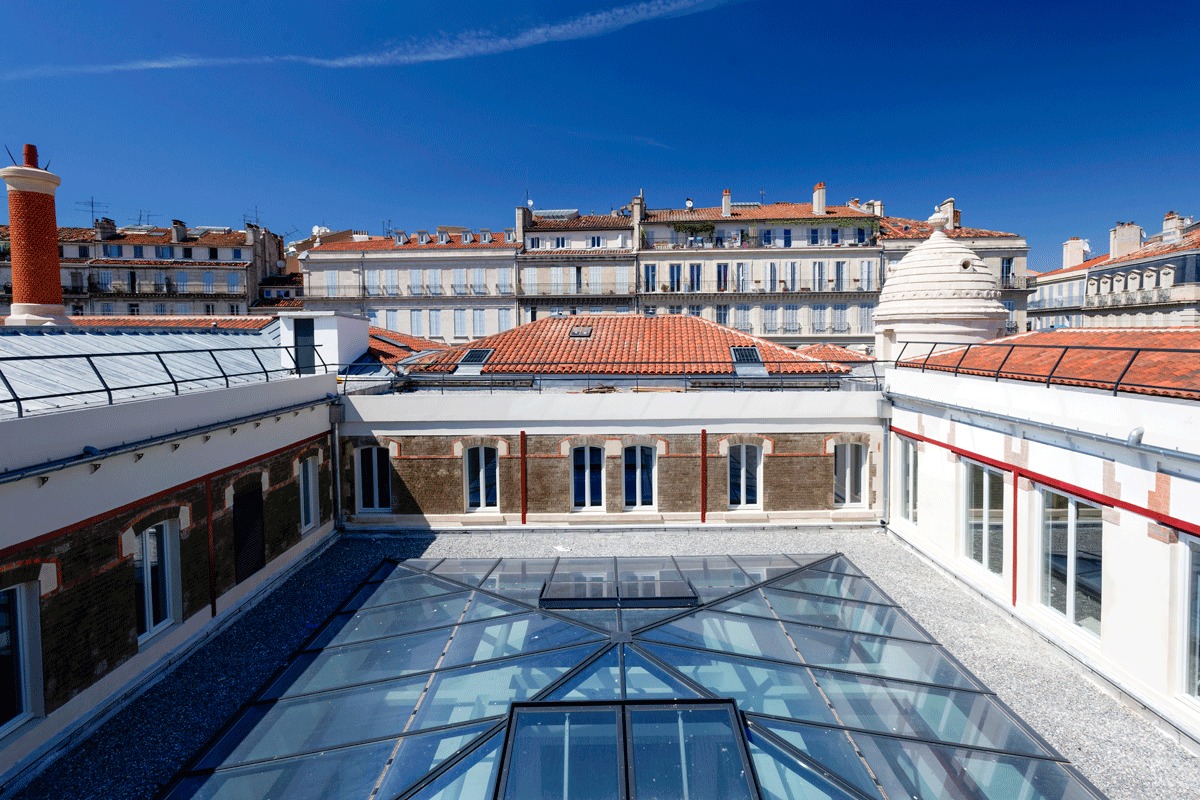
(142,270)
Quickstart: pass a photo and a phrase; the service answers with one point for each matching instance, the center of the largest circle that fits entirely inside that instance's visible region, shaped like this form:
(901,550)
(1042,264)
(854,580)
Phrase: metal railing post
(100,378)
(16,397)
(213,355)
(167,370)
(1121,377)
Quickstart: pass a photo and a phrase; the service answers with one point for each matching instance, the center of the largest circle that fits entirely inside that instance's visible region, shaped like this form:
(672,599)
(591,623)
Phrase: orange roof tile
(224,323)
(1156,247)
(1089,357)
(377,243)
(833,352)
(390,347)
(625,344)
(585,222)
(599,251)
(901,228)
(279,302)
(1092,262)
(780,211)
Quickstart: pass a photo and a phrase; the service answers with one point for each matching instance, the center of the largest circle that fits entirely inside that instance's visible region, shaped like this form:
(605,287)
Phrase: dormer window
(597,241)
(535,242)
(443,238)
(510,237)
(466,237)
(423,238)
(747,362)
(472,361)
(561,242)
(486,237)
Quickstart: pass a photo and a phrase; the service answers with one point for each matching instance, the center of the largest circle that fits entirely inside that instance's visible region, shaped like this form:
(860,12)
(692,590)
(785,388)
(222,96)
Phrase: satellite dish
(529,202)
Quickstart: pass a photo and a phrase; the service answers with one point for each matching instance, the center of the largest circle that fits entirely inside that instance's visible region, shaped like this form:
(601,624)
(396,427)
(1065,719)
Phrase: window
(233,281)
(743,318)
(210,282)
(866,318)
(213,255)
(557,311)
(505,280)
(745,470)
(695,311)
(818,318)
(866,276)
(156,579)
(849,474)
(331,283)
(597,241)
(791,318)
(107,310)
(639,476)
(535,242)
(481,477)
(187,252)
(111,250)
(818,276)
(20,670)
(460,322)
(839,276)
(770,319)
(1006,272)
(210,309)
(479,280)
(237,254)
(650,311)
(674,309)
(460,281)
(587,477)
(309,509)
(840,325)
(814,235)
(160,281)
(160,309)
(435,322)
(766,237)
(556,280)
(104,279)
(622,280)
(675,273)
(164,251)
(722,315)
(414,322)
(835,235)
(391,319)
(908,457)
(985,517)
(139,251)
(479,322)
(743,277)
(374,479)
(695,271)
(722,277)
(529,278)
(234,309)
(787,237)
(84,251)
(650,275)
(135,309)
(860,235)
(503,319)
(1072,555)
(561,242)
(1193,622)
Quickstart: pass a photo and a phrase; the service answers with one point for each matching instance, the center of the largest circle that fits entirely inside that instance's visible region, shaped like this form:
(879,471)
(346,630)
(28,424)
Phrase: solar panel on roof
(475,357)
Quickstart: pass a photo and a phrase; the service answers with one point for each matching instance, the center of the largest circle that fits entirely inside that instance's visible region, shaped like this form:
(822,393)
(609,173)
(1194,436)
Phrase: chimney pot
(31,155)
(33,230)
(818,203)
(726,204)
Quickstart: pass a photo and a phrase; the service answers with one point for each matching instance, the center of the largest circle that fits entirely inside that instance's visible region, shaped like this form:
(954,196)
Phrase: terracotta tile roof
(1156,247)
(585,222)
(73,235)
(390,346)
(833,352)
(770,211)
(377,243)
(1092,262)
(599,251)
(224,323)
(901,228)
(624,344)
(163,262)
(1093,357)
(67,235)
(278,302)
(290,279)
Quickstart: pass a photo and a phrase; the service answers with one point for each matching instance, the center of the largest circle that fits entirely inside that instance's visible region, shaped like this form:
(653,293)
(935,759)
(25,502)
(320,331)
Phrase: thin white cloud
(470,44)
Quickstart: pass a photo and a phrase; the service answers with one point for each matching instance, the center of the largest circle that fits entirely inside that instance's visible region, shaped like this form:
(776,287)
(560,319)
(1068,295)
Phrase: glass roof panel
(757,686)
(829,747)
(814,581)
(471,571)
(510,636)
(875,655)
(633,569)
(925,772)
(577,569)
(600,680)
(310,724)
(472,777)
(519,578)
(841,564)
(485,607)
(762,568)
(344,772)
(805,559)
(398,590)
(353,664)
(421,753)
(558,753)
(784,778)
(487,690)
(605,618)
(392,620)
(728,633)
(634,618)
(644,680)
(841,613)
(686,752)
(929,713)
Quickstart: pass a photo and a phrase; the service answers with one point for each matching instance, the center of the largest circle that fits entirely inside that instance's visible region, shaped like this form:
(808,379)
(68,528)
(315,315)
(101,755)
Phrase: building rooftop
(902,228)
(1153,361)
(754,211)
(623,344)
(387,243)
(1159,246)
(586,222)
(1091,262)
(391,347)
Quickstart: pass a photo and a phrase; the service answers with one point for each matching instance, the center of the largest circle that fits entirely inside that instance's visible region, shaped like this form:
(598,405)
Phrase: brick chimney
(33,229)
(819,199)
(1124,239)
(1075,252)
(726,204)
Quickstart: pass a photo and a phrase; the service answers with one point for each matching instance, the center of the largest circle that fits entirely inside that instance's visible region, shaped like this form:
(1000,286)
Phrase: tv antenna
(762,196)
(387,226)
(92,205)
(247,218)
(144,216)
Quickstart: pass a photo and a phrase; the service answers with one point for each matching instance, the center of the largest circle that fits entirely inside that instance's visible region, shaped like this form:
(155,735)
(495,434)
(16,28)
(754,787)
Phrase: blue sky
(1050,120)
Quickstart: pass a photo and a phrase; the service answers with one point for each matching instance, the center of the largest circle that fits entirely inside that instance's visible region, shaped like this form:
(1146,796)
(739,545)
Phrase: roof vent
(747,362)
(581,332)
(472,361)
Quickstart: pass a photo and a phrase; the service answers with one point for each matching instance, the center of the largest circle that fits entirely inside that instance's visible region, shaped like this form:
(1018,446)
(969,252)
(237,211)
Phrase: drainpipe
(337,415)
(524,487)
(703,475)
(887,472)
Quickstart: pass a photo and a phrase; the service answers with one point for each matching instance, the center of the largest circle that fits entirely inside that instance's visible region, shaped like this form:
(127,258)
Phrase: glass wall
(1193,624)
(1071,558)
(985,516)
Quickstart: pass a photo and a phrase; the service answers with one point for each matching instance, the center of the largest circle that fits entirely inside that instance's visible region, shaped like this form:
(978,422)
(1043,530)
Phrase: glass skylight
(794,677)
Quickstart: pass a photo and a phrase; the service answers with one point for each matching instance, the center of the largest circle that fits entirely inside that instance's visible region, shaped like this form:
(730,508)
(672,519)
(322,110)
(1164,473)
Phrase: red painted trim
(1016,496)
(1063,486)
(524,487)
(703,475)
(212,548)
(96,519)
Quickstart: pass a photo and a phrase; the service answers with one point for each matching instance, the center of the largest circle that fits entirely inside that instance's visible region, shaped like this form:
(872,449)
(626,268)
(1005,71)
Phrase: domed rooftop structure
(940,292)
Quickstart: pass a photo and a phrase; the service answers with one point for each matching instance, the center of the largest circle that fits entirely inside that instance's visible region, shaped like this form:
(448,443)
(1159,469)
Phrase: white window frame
(169,558)
(981,562)
(844,468)
(908,478)
(590,504)
(639,470)
(358,481)
(758,500)
(309,484)
(1072,547)
(27,622)
(483,506)
(1190,671)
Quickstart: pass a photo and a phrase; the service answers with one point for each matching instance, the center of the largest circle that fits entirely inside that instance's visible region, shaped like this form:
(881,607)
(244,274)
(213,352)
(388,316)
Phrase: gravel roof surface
(135,753)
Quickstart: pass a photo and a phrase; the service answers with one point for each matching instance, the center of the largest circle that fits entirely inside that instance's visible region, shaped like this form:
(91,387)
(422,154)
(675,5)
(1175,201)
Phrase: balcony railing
(751,242)
(572,289)
(1140,297)
(746,286)
(1014,282)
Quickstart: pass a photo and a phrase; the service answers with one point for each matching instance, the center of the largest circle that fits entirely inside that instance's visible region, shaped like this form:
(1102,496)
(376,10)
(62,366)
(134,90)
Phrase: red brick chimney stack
(33,230)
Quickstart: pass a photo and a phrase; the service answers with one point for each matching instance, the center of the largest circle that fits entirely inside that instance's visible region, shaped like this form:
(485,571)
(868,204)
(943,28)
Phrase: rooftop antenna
(528,199)
(144,217)
(387,226)
(92,205)
(246,217)
(10,155)
(762,196)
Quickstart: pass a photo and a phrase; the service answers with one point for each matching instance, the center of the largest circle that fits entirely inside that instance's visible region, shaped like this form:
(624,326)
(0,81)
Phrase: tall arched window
(639,476)
(587,477)
(745,473)
(481,478)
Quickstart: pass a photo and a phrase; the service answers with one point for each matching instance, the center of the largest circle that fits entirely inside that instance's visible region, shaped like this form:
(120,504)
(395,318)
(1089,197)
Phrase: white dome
(940,292)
